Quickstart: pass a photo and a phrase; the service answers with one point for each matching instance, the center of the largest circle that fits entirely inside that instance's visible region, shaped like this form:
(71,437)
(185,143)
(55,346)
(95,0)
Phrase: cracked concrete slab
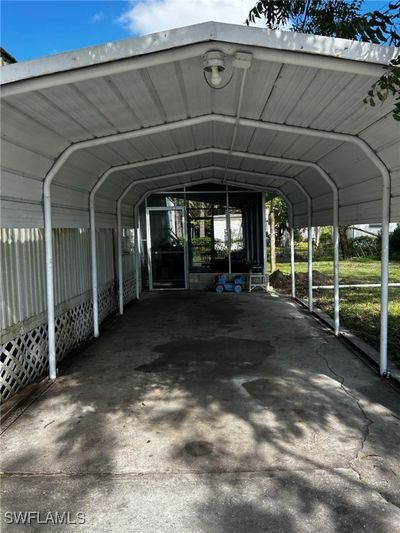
(206,412)
(300,501)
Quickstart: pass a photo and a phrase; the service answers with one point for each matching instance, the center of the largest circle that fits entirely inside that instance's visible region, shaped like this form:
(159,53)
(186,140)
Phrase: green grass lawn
(359,308)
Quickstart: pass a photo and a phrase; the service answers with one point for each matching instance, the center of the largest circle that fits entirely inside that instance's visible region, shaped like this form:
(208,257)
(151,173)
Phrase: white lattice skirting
(129,289)
(25,358)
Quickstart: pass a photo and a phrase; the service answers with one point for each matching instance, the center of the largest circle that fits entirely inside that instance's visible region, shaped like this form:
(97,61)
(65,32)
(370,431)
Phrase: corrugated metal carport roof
(143,106)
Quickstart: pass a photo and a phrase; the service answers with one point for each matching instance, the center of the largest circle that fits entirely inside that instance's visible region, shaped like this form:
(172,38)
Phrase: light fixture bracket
(212,59)
(242,60)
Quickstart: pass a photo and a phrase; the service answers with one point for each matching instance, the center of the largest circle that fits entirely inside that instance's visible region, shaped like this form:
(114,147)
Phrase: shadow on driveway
(214,413)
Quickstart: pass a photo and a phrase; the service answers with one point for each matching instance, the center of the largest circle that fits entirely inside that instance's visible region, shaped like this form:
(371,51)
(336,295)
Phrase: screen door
(167,248)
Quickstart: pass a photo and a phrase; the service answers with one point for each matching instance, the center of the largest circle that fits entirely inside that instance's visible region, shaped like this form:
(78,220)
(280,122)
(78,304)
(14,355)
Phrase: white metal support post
(310,260)
(48,235)
(148,247)
(385,277)
(119,231)
(138,268)
(186,243)
(120,268)
(336,264)
(93,253)
(264,235)
(257,218)
(292,262)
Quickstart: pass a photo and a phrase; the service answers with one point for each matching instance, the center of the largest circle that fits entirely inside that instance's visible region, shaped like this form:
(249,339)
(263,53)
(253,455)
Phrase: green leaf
(344,19)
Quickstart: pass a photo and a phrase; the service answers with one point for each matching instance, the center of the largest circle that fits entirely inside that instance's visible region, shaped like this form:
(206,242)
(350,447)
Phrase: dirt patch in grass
(282,281)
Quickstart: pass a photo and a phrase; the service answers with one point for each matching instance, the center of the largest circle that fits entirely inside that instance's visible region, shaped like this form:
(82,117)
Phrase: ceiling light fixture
(213,65)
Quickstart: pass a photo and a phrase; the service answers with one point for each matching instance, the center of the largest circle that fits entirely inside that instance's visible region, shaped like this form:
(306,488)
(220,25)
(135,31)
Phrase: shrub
(201,242)
(326,235)
(394,243)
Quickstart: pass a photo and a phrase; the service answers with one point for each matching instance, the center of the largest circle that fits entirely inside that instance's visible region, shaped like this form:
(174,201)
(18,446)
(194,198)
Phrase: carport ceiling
(144,103)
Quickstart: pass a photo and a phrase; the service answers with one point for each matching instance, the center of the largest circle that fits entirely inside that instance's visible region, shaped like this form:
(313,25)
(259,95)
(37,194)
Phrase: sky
(36,28)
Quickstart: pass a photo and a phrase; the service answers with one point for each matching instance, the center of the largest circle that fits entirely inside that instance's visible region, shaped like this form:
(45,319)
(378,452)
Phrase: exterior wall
(220,227)
(23,336)
(356,231)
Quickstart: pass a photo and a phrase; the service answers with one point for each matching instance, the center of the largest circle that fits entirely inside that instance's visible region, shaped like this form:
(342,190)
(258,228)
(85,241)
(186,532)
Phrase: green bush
(394,243)
(326,236)
(201,242)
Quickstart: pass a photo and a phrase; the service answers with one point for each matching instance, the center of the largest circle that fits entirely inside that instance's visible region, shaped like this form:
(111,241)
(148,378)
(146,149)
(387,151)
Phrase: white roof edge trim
(199,33)
(213,167)
(196,153)
(308,164)
(344,137)
(252,173)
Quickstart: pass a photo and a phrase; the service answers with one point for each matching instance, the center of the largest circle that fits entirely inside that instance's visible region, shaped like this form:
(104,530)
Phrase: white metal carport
(87,134)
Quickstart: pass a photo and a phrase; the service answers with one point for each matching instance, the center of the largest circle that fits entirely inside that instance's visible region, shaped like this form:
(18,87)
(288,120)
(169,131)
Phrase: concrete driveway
(198,412)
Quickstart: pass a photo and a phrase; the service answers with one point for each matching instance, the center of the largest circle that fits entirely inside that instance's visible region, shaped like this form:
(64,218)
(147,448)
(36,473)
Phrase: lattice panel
(107,303)
(25,358)
(73,327)
(129,289)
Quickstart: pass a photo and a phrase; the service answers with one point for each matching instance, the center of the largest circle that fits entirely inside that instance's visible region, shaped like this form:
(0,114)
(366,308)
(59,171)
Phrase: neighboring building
(236,229)
(6,58)
(365,229)
(361,230)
